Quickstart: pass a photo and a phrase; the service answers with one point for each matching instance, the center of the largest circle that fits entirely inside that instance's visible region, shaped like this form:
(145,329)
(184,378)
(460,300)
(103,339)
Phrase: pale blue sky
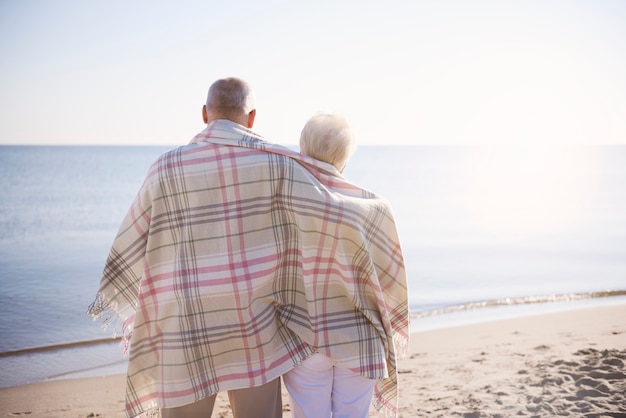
(403,72)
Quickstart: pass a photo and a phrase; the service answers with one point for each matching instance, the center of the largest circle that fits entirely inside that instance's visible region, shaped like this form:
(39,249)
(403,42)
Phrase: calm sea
(509,230)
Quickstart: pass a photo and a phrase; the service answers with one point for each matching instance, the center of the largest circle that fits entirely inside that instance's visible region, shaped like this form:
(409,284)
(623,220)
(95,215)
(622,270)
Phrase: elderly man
(238,260)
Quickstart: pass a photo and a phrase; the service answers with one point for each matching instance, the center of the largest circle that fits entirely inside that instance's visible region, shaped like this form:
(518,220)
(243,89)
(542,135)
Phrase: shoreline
(104,357)
(567,362)
(445,312)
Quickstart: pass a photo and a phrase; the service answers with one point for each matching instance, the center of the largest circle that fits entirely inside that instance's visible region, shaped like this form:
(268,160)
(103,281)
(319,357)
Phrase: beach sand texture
(569,363)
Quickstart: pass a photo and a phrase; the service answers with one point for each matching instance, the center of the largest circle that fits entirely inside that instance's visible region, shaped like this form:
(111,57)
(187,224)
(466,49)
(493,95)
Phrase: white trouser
(319,388)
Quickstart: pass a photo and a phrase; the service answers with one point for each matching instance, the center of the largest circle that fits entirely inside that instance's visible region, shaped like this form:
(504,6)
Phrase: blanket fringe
(381,406)
(401,345)
(150,413)
(101,310)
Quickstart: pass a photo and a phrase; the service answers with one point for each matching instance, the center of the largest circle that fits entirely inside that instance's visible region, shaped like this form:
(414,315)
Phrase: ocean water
(486,232)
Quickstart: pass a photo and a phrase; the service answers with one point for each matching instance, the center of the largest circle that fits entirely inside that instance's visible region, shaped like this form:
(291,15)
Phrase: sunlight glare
(529,191)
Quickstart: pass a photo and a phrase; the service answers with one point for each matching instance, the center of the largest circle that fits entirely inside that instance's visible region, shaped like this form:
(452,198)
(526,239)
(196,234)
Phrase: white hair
(328,137)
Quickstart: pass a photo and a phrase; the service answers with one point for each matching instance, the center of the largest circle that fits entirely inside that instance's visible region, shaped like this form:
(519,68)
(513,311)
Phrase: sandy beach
(559,364)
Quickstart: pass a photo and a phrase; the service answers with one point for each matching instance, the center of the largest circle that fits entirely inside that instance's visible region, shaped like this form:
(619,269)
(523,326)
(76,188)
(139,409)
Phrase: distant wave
(570,297)
(59,346)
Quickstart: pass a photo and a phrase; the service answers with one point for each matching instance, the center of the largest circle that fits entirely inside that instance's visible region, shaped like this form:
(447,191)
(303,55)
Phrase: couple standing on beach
(241,261)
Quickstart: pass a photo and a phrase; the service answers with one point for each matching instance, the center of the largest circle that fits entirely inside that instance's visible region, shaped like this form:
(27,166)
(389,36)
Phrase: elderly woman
(349,366)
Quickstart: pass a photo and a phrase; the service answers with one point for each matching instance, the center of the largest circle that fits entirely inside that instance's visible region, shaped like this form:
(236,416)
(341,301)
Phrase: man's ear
(205,117)
(251,117)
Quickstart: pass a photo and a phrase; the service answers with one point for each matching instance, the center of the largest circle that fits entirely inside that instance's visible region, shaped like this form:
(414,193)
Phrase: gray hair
(230,98)
(328,137)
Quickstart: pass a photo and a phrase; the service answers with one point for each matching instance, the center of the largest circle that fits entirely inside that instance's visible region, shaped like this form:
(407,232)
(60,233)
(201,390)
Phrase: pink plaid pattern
(240,258)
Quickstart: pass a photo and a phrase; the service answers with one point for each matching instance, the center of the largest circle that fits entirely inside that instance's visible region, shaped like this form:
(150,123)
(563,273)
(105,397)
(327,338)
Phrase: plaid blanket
(238,259)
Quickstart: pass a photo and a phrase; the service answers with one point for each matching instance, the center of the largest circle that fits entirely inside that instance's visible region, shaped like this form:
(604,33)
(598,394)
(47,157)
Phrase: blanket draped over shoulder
(238,259)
